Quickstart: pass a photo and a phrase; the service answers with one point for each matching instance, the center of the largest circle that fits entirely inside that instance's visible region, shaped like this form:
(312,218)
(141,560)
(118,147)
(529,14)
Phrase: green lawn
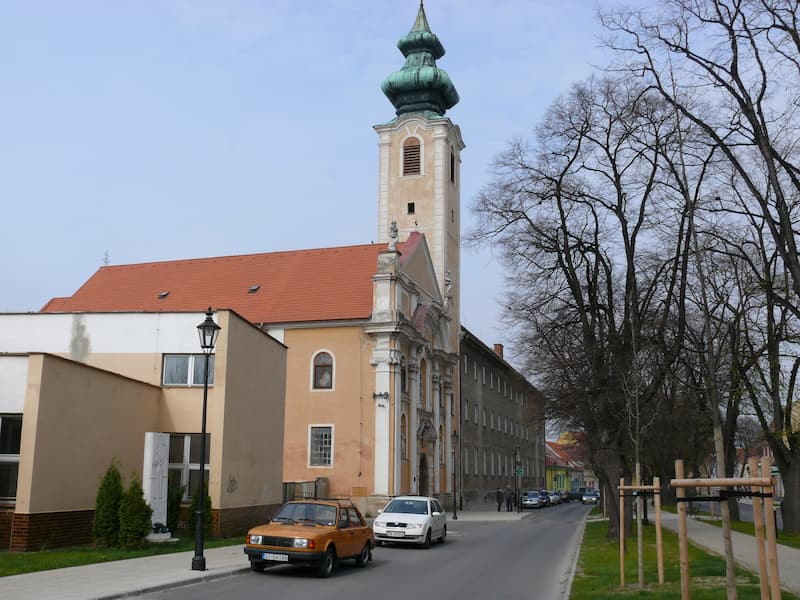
(15,563)
(597,575)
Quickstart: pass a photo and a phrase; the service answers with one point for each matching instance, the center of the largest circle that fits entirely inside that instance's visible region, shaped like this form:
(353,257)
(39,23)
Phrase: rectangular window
(484,417)
(465,468)
(475,463)
(187,369)
(452,167)
(320,452)
(475,414)
(484,462)
(483,375)
(466,365)
(491,420)
(466,410)
(475,371)
(184,462)
(10,441)
(491,462)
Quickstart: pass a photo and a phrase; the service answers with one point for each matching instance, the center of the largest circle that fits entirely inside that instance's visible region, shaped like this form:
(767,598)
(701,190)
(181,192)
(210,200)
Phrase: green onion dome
(420,86)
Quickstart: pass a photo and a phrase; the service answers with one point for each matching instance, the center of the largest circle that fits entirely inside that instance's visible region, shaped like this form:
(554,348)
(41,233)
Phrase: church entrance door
(423,476)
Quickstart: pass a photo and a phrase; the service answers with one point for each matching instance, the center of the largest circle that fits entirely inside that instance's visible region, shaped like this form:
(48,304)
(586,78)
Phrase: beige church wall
(348,407)
(77,419)
(418,189)
(251,423)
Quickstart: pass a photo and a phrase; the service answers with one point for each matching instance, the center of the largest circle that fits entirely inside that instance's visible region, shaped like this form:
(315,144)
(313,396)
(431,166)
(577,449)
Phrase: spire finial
(420,86)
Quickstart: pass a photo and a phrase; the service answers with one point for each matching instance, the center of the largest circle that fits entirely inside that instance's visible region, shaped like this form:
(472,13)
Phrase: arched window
(323,371)
(412,154)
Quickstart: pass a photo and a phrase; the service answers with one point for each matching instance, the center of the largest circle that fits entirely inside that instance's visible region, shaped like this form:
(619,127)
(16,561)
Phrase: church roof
(420,86)
(325,284)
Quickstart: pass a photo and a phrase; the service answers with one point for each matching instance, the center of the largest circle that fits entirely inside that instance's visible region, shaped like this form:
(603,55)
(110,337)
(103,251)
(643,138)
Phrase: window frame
(12,458)
(404,157)
(186,466)
(190,369)
(332,431)
(313,371)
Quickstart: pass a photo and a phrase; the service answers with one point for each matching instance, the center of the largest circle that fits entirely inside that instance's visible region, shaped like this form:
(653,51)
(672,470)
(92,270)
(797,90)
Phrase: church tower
(420,159)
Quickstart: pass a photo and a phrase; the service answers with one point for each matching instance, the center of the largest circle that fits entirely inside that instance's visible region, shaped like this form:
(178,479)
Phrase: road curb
(567,585)
(175,584)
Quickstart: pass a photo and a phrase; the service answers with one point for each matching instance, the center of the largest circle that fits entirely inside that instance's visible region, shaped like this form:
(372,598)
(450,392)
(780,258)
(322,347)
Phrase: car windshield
(306,512)
(543,493)
(411,507)
(531,493)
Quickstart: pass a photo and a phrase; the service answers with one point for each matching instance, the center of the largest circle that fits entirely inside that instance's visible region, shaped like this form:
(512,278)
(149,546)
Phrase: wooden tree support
(656,491)
(762,486)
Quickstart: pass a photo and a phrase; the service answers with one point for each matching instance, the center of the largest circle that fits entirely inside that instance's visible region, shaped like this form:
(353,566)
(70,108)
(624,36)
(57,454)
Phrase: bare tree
(576,216)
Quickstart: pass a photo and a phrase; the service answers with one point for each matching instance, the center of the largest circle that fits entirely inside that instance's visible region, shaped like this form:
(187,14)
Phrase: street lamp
(517,473)
(454,439)
(208,331)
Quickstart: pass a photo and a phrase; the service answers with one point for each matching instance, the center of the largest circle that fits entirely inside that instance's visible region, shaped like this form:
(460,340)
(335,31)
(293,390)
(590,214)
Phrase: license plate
(275,557)
(395,534)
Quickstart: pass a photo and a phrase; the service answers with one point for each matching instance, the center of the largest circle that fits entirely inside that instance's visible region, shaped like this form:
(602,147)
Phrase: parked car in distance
(411,519)
(590,497)
(531,499)
(555,497)
(545,497)
(576,493)
(317,533)
(564,495)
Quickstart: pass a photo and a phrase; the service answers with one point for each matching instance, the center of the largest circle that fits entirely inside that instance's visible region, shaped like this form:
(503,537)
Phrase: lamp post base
(198,563)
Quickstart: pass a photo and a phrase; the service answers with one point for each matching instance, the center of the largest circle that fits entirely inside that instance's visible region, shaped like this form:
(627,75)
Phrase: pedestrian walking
(499,496)
(509,496)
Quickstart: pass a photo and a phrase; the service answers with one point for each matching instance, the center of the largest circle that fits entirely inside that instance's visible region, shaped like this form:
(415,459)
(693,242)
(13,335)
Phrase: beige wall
(77,419)
(349,407)
(252,372)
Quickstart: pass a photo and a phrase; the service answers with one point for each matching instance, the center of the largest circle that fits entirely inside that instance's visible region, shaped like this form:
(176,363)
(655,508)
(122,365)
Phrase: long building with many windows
(502,424)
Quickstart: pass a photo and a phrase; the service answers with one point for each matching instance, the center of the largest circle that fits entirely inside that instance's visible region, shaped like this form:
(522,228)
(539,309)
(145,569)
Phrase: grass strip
(597,575)
(17,563)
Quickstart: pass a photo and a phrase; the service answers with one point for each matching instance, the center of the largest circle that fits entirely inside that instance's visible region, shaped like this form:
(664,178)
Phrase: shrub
(206,517)
(105,527)
(134,516)
(174,497)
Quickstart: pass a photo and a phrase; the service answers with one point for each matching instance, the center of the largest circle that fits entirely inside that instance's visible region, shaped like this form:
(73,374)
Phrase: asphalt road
(528,559)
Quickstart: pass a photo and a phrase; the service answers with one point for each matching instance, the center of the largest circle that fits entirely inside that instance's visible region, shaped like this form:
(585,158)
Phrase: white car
(411,519)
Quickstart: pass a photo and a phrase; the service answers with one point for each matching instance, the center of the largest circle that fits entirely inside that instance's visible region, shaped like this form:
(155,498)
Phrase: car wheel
(257,566)
(363,558)
(328,562)
(444,535)
(427,542)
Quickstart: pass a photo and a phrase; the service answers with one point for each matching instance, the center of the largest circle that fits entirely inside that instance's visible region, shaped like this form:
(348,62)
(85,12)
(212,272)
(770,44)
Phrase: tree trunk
(790,511)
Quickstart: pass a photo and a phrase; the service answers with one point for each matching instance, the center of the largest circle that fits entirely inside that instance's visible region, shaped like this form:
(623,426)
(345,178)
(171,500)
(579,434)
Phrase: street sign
(519,470)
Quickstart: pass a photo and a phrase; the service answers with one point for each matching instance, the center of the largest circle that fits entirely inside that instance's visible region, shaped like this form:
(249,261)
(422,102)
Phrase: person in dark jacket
(499,496)
(509,496)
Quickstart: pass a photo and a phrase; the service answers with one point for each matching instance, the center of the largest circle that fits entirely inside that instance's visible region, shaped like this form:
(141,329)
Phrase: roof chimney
(498,349)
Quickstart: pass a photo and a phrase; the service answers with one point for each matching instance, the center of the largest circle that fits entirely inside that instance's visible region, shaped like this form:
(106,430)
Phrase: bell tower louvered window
(411,157)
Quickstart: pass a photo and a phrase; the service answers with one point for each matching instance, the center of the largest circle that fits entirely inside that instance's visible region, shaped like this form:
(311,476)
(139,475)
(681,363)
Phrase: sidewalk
(125,578)
(708,537)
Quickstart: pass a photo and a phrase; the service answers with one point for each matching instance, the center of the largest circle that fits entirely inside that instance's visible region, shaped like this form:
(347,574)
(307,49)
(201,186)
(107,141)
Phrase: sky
(138,131)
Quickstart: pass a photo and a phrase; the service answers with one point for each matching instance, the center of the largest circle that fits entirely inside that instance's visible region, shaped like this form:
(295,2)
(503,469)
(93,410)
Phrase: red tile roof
(323,284)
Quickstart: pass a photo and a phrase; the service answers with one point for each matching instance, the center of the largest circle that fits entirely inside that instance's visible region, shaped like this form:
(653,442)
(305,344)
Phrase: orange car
(318,533)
